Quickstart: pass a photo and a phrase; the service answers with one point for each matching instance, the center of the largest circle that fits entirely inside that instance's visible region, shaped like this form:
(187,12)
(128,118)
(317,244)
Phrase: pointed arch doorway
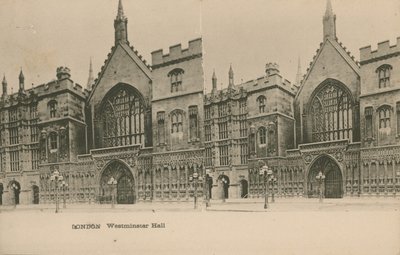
(332,186)
(124,190)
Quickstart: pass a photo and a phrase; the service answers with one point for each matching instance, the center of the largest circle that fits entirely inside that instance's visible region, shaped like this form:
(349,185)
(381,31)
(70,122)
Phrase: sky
(40,35)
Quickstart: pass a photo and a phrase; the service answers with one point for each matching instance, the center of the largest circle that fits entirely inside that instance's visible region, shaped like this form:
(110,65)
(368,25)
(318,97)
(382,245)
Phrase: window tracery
(384,75)
(53,108)
(384,117)
(261,100)
(176,79)
(331,113)
(176,122)
(123,118)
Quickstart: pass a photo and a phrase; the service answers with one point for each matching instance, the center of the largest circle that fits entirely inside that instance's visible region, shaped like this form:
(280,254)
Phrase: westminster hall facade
(151,127)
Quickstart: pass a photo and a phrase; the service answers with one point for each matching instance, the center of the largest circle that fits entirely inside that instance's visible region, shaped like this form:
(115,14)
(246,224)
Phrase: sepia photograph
(200,127)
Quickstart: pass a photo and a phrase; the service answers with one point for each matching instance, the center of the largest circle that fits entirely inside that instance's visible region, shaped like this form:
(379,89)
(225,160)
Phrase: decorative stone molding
(308,158)
(381,154)
(99,164)
(339,156)
(178,158)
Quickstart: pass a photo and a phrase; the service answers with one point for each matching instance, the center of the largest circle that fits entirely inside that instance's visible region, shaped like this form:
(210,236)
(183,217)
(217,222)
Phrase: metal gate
(125,188)
(124,191)
(333,184)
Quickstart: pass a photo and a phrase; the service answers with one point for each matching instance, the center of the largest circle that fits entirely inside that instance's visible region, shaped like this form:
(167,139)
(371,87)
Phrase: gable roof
(338,46)
(133,54)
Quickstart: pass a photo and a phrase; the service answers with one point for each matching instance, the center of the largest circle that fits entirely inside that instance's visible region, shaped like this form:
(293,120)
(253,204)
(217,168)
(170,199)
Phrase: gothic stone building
(151,127)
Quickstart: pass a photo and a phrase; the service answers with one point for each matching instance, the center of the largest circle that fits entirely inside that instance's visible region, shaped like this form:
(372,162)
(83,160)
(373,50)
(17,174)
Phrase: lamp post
(272,179)
(64,186)
(320,178)
(113,183)
(224,183)
(195,179)
(207,193)
(265,172)
(56,177)
(15,188)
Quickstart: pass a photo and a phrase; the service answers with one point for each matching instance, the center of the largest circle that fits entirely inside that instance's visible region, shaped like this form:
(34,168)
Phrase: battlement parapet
(384,49)
(176,53)
(271,69)
(63,72)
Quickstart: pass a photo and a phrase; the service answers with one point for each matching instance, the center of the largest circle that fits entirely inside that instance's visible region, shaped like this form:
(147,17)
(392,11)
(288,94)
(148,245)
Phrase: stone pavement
(234,205)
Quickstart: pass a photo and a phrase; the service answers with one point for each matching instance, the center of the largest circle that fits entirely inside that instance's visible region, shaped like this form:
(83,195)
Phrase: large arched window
(384,75)
(176,79)
(331,113)
(122,118)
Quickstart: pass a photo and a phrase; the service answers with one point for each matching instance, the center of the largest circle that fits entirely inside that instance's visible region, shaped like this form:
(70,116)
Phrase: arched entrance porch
(332,186)
(124,190)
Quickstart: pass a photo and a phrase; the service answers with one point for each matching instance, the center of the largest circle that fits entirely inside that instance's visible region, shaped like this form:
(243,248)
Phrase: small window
(177,124)
(242,107)
(223,109)
(384,75)
(161,127)
(384,117)
(261,100)
(53,141)
(176,79)
(368,121)
(262,135)
(193,122)
(53,109)
(207,132)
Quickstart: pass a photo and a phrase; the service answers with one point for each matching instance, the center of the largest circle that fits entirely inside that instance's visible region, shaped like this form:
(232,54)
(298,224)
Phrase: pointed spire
(329,22)
(21,81)
(4,83)
(329,10)
(214,82)
(298,75)
(231,81)
(91,78)
(120,10)
(120,25)
(21,75)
